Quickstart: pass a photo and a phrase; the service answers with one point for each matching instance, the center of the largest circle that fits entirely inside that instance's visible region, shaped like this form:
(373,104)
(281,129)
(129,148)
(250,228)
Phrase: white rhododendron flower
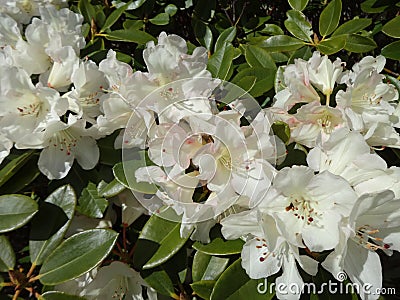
(373,225)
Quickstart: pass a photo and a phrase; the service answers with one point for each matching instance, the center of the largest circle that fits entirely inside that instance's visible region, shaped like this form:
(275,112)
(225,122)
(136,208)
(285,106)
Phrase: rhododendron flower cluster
(207,152)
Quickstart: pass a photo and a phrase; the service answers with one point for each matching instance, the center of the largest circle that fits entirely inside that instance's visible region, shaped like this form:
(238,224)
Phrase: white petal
(55,164)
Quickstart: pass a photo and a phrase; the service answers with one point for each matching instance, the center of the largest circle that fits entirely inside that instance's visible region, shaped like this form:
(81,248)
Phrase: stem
(124,244)
(328,98)
(17,292)
(33,266)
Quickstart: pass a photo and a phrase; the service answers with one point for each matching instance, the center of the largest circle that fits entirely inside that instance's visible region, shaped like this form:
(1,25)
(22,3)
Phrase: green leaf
(130,182)
(392,50)
(7,255)
(165,233)
(259,57)
(87,10)
(297,25)
(374,6)
(160,19)
(64,197)
(53,295)
(263,83)
(282,130)
(203,33)
(272,29)
(234,284)
(132,35)
(330,17)
(359,44)
(207,267)
(203,288)
(392,28)
(279,82)
(352,26)
(298,4)
(220,247)
(16,211)
(220,62)
(171,9)
(111,189)
(226,36)
(303,53)
(91,203)
(77,255)
(13,166)
(114,16)
(161,282)
(332,45)
(280,43)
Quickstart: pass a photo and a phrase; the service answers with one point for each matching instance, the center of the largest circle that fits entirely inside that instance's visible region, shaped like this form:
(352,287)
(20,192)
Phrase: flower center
(261,244)
(302,209)
(64,141)
(225,158)
(365,236)
(31,109)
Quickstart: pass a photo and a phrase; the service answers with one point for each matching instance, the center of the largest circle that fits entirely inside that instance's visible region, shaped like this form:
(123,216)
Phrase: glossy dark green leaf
(272,29)
(91,203)
(374,6)
(304,53)
(203,288)
(392,50)
(64,198)
(330,16)
(53,295)
(220,62)
(161,282)
(297,25)
(392,28)
(282,130)
(171,9)
(160,19)
(332,45)
(165,233)
(124,35)
(235,284)
(7,255)
(281,43)
(16,211)
(259,57)
(111,189)
(226,36)
(13,166)
(298,4)
(114,16)
(87,10)
(263,83)
(352,26)
(77,255)
(207,267)
(220,247)
(279,82)
(130,182)
(203,33)
(359,44)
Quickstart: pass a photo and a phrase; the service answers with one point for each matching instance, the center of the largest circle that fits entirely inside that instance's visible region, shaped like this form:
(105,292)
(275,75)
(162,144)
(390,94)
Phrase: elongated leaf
(207,267)
(280,43)
(298,4)
(13,166)
(160,19)
(392,28)
(259,57)
(203,33)
(114,16)
(64,197)
(91,203)
(263,83)
(352,26)
(53,295)
(220,247)
(161,282)
(220,62)
(359,44)
(87,10)
(374,6)
(234,284)
(392,50)
(7,255)
(330,17)
(77,255)
(111,189)
(15,211)
(165,233)
(130,182)
(203,288)
(297,25)
(130,35)
(226,36)
(332,45)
